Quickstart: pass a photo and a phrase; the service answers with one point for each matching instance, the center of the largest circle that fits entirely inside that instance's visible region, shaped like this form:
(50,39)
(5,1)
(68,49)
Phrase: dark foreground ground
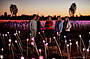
(52,49)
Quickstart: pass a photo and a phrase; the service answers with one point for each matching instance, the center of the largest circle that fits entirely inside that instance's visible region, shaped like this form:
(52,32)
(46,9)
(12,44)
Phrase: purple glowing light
(40,57)
(38,32)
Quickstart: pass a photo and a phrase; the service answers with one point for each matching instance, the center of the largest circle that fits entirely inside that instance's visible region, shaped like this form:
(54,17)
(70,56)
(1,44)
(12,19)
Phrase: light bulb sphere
(10,40)
(65,41)
(38,32)
(2,34)
(43,41)
(83,49)
(5,34)
(1,56)
(88,50)
(19,32)
(9,44)
(54,37)
(27,40)
(67,45)
(57,33)
(22,57)
(32,43)
(8,32)
(32,38)
(43,31)
(70,43)
(2,49)
(15,41)
(80,36)
(76,42)
(89,32)
(64,36)
(40,57)
(39,50)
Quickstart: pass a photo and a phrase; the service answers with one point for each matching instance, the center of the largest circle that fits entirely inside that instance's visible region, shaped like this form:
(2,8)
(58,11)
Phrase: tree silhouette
(72,9)
(13,10)
(5,14)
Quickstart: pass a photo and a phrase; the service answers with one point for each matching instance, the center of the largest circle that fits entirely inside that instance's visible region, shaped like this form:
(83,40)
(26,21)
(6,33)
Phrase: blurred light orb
(8,32)
(32,43)
(2,49)
(70,43)
(88,50)
(76,42)
(43,41)
(54,37)
(64,36)
(10,40)
(27,40)
(1,56)
(40,50)
(15,41)
(22,57)
(67,45)
(80,36)
(40,57)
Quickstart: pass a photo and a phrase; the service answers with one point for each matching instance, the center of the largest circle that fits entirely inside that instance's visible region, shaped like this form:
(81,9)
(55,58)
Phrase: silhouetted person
(33,26)
(49,29)
(58,26)
(66,28)
(38,24)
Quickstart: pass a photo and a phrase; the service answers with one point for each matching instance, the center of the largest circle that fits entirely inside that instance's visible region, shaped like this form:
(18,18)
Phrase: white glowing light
(76,42)
(15,34)
(2,49)
(89,32)
(38,32)
(22,57)
(30,34)
(40,57)
(65,41)
(88,50)
(67,45)
(27,40)
(54,37)
(32,38)
(10,40)
(70,43)
(32,43)
(43,31)
(80,36)
(15,41)
(57,33)
(9,44)
(64,36)
(43,41)
(2,34)
(83,49)
(46,44)
(18,31)
(70,40)
(8,32)
(1,56)
(40,50)
(5,34)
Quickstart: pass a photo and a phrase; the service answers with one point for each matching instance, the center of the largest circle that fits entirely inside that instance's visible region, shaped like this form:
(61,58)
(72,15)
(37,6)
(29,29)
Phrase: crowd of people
(61,28)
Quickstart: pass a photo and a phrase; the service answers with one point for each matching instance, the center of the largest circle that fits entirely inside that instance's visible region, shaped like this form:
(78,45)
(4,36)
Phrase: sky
(46,7)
